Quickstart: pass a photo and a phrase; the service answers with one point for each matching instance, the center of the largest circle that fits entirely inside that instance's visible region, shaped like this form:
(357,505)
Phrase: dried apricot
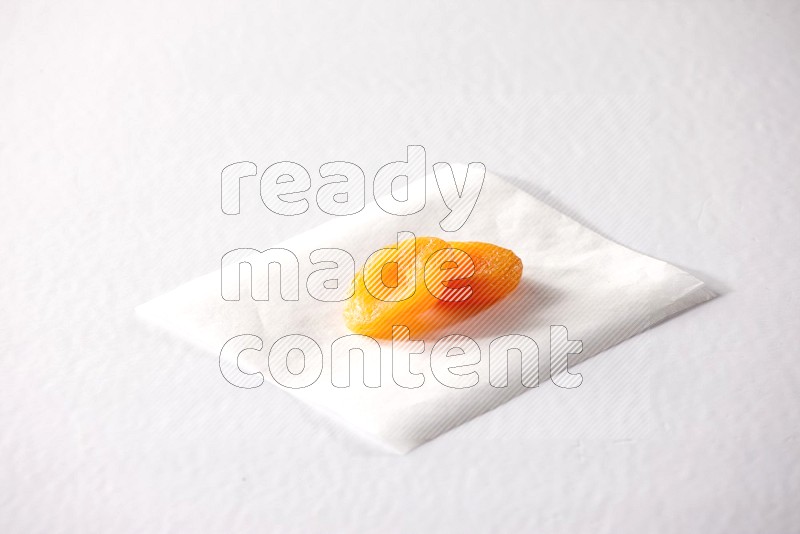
(390,289)
(497,271)
(427,283)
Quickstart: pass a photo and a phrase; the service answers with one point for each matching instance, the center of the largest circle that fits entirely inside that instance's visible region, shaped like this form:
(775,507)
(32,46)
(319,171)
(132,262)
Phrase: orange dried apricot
(389,290)
(427,283)
(497,271)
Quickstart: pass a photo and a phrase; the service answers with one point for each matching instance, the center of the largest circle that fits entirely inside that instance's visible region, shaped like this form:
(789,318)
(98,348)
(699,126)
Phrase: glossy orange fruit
(497,272)
(427,283)
(390,289)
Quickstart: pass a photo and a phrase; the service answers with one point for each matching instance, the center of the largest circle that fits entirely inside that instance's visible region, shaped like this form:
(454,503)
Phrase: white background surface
(671,127)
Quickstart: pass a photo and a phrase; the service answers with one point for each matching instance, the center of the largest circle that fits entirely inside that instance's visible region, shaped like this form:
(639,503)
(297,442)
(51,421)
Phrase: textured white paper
(600,291)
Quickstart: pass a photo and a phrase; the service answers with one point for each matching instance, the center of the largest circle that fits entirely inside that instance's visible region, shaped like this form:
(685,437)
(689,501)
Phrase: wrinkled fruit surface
(427,283)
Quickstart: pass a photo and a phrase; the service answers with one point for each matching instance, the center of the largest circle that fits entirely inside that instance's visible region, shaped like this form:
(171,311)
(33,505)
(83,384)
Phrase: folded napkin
(580,293)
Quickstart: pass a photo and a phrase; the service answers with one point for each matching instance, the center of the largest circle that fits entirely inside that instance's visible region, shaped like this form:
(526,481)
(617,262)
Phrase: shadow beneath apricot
(519,311)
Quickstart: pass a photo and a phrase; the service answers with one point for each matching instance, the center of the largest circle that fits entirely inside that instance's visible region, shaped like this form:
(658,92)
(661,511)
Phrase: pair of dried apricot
(425,283)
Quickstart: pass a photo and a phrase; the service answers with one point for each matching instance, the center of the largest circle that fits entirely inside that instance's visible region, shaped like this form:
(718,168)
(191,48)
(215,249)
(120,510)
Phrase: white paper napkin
(600,291)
